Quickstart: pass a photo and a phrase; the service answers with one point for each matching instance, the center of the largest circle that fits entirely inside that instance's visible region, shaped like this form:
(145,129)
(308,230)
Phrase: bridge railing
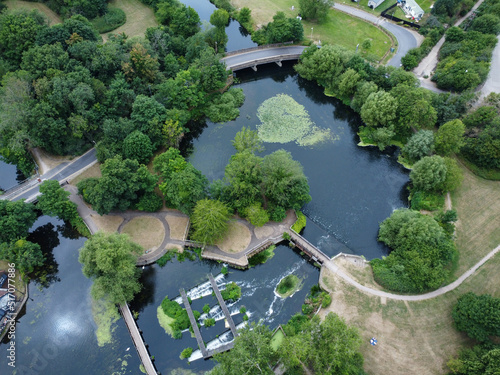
(244,50)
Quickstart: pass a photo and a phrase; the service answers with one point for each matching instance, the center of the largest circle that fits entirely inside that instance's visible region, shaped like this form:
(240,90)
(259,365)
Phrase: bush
(176,312)
(421,200)
(167,257)
(245,317)
(243,310)
(326,301)
(262,257)
(150,202)
(196,314)
(256,215)
(206,308)
(224,270)
(231,293)
(209,322)
(307,309)
(114,18)
(186,353)
(287,284)
(300,223)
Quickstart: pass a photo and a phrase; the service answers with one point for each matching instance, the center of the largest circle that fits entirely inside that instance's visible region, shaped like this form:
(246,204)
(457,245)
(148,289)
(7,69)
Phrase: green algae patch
(105,316)
(165,321)
(283,120)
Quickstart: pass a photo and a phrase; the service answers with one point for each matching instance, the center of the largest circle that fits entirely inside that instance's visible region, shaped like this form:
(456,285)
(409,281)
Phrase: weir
(222,304)
(194,324)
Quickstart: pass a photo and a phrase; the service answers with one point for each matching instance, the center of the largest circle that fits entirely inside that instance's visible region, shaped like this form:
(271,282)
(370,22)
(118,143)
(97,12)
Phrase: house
(374,3)
(411,9)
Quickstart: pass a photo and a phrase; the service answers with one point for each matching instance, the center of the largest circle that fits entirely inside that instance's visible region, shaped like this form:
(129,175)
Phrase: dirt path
(420,297)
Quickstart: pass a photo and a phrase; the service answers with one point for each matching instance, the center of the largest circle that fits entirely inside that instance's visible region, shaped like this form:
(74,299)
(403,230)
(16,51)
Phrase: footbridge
(251,57)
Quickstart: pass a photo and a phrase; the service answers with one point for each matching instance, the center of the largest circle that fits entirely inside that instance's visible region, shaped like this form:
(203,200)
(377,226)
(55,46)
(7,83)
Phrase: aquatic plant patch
(284,120)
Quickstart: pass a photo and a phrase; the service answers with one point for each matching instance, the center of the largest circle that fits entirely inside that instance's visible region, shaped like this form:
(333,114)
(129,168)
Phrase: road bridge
(251,57)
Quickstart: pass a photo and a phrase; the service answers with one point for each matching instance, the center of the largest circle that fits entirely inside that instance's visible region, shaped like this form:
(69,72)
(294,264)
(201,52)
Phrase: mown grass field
(50,14)
(477,202)
(339,28)
(139,18)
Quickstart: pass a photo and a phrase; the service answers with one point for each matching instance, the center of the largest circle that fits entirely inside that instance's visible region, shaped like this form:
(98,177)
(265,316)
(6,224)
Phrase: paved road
(492,83)
(406,38)
(60,173)
(239,59)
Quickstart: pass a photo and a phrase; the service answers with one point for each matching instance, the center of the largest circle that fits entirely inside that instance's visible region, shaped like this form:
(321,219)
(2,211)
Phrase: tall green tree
(16,218)
(379,109)
(478,316)
(110,261)
(428,173)
(315,10)
(247,139)
(25,254)
(210,221)
(251,354)
(419,145)
(450,137)
(137,146)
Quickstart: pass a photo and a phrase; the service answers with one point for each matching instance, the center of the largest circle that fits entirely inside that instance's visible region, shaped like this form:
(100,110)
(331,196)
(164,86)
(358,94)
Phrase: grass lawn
(277,339)
(93,171)
(52,16)
(145,231)
(477,203)
(237,238)
(165,321)
(107,223)
(413,337)
(139,17)
(177,226)
(339,28)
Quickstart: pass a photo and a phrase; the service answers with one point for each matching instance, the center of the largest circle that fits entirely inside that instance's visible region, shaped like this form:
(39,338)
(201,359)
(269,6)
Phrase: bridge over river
(251,57)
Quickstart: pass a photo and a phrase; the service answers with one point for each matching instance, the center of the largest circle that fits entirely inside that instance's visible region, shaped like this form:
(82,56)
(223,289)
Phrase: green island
(288,286)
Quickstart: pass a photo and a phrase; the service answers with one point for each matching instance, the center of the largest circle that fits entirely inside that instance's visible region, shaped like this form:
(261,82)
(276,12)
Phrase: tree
(419,145)
(16,218)
(247,139)
(379,109)
(137,146)
(450,137)
(25,254)
(121,185)
(210,221)
(454,175)
(250,355)
(315,10)
(414,110)
(428,173)
(478,316)
(325,347)
(348,83)
(285,184)
(109,259)
(363,91)
(256,215)
(283,29)
(142,65)
(219,18)
(383,136)
(479,360)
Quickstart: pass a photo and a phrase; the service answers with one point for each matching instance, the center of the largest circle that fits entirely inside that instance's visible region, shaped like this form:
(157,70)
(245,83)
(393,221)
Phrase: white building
(374,3)
(411,9)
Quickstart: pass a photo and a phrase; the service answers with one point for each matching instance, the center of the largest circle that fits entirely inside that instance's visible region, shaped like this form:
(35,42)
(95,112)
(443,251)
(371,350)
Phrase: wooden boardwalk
(194,324)
(314,253)
(139,344)
(222,304)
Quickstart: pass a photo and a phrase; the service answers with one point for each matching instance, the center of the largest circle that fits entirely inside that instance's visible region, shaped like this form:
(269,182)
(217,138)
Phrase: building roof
(412,4)
(376,3)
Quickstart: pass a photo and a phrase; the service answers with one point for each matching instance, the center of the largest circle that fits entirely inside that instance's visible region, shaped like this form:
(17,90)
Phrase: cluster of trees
(16,218)
(315,10)
(448,10)
(465,55)
(482,142)
(281,29)
(479,317)
(62,90)
(421,251)
(310,346)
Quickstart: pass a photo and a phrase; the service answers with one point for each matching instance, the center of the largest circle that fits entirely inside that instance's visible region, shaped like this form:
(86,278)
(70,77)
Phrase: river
(352,189)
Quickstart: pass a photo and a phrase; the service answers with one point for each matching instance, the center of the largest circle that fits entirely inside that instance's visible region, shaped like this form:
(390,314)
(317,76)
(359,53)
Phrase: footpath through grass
(139,17)
(52,16)
(413,337)
(339,28)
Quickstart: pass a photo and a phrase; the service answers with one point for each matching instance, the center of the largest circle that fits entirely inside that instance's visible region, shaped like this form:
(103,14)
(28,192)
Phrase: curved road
(406,39)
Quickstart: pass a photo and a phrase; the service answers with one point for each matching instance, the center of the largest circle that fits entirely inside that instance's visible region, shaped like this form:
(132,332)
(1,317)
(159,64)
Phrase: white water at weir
(201,290)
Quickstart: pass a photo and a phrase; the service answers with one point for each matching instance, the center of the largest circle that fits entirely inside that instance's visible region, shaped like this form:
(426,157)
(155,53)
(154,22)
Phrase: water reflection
(48,238)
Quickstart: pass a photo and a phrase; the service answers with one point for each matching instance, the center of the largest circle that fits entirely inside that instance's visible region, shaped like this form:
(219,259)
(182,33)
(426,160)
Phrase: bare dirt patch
(175,247)
(237,238)
(52,16)
(145,231)
(477,203)
(47,161)
(107,223)
(93,171)
(139,18)
(263,232)
(177,225)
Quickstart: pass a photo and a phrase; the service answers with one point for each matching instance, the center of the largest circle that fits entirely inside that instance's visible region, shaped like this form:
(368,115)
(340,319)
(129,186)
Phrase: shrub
(300,223)
(326,301)
(243,310)
(421,200)
(287,284)
(262,257)
(186,353)
(196,314)
(286,236)
(114,18)
(232,292)
(206,308)
(307,309)
(224,270)
(150,202)
(165,258)
(245,317)
(209,322)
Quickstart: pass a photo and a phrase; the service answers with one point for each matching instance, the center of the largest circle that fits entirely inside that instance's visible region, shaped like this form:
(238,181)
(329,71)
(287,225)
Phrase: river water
(352,189)
(9,175)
